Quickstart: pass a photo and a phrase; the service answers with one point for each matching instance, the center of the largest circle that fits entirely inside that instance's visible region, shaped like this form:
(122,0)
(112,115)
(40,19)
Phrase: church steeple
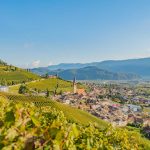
(74,80)
(74,85)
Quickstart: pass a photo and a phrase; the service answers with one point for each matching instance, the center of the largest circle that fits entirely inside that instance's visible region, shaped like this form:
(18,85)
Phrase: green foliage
(46,75)
(72,114)
(51,85)
(3,82)
(146,131)
(10,75)
(23,89)
(48,128)
(55,85)
(47,93)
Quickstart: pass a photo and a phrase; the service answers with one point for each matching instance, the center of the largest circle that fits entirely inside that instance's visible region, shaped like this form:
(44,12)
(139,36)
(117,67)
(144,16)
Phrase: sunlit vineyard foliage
(49,84)
(25,126)
(72,114)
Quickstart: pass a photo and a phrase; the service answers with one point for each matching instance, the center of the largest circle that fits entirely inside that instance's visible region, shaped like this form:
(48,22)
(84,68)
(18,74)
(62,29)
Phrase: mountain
(92,73)
(41,70)
(62,66)
(67,66)
(140,66)
(137,66)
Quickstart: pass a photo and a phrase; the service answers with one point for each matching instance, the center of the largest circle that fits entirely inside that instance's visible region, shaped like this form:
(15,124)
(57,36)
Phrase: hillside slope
(10,75)
(43,85)
(71,113)
(24,126)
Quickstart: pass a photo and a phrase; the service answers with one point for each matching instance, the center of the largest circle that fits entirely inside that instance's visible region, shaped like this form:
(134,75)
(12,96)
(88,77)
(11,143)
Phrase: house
(4,88)
(134,108)
(52,76)
(67,102)
(146,122)
(125,109)
(81,91)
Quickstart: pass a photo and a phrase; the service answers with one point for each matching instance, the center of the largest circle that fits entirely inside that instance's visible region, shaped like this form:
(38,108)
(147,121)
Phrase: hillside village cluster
(117,104)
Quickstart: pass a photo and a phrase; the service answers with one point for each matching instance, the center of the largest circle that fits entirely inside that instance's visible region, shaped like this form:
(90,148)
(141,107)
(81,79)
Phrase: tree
(12,83)
(55,92)
(47,93)
(3,82)
(61,92)
(46,75)
(16,68)
(23,89)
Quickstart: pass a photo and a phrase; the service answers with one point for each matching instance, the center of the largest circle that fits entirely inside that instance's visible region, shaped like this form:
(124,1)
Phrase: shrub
(23,89)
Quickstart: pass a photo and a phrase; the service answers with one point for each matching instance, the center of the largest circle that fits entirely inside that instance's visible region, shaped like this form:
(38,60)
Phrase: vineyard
(10,75)
(26,127)
(70,113)
(49,84)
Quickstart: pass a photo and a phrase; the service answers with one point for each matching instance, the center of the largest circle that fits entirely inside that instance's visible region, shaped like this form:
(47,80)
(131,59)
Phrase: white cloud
(50,64)
(36,63)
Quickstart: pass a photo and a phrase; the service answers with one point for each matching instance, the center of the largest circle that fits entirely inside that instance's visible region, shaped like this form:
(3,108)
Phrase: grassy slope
(71,113)
(49,84)
(18,75)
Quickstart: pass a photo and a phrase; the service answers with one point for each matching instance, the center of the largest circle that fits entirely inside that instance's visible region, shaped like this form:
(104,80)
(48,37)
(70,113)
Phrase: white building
(4,89)
(67,102)
(134,108)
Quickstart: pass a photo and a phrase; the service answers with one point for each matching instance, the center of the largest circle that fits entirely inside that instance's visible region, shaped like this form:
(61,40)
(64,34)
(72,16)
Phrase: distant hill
(41,70)
(92,73)
(10,75)
(137,66)
(140,66)
(62,66)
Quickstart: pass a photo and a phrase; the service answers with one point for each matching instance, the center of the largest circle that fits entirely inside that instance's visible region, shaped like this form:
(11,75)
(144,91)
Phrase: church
(76,90)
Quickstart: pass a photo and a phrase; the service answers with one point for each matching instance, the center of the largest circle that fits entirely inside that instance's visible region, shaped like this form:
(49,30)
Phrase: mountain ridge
(138,66)
(92,73)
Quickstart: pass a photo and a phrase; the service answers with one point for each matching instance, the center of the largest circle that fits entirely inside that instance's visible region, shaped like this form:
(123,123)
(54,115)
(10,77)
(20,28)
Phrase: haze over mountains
(110,70)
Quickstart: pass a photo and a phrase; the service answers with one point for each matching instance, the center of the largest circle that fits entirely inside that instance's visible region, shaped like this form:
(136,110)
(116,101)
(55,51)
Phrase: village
(119,105)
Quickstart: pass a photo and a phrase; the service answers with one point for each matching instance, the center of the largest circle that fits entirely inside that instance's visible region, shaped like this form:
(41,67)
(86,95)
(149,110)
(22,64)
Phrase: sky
(37,33)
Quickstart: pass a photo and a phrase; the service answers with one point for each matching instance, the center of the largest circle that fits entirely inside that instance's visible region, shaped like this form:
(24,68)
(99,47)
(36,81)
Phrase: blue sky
(40,33)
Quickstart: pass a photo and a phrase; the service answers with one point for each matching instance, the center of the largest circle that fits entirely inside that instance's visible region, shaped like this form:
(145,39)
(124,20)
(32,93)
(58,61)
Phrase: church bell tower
(74,85)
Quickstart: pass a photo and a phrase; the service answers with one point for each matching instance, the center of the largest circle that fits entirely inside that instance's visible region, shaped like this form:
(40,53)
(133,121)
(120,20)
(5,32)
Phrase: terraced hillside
(71,113)
(52,125)
(49,84)
(10,75)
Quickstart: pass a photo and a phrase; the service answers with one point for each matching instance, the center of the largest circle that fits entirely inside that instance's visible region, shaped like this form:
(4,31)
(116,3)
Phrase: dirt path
(25,83)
